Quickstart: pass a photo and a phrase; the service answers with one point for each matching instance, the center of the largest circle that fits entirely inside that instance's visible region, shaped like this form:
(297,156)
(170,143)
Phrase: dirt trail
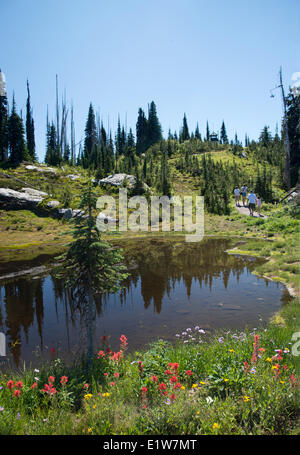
(245,211)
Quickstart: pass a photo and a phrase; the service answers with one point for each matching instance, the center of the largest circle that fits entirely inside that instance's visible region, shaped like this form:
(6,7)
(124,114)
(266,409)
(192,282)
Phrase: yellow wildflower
(216,426)
(105,394)
(282,382)
(226,380)
(88,396)
(194,386)
(182,387)
(202,382)
(89,430)
(94,406)
(246,398)
(231,350)
(268,359)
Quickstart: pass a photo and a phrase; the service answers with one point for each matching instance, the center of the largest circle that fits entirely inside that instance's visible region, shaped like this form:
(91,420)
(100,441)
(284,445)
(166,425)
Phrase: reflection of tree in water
(161,265)
(22,302)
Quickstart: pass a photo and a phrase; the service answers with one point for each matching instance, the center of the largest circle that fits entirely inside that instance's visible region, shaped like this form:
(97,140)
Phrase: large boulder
(33,192)
(31,167)
(11,199)
(118,180)
(67,214)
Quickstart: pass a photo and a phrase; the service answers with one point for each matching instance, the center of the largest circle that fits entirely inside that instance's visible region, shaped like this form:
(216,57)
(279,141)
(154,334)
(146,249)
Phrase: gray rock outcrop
(118,180)
(67,214)
(31,167)
(11,199)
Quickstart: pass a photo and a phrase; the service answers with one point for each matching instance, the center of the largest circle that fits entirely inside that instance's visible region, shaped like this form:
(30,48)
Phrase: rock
(11,199)
(33,192)
(294,196)
(52,204)
(73,177)
(31,167)
(66,213)
(118,180)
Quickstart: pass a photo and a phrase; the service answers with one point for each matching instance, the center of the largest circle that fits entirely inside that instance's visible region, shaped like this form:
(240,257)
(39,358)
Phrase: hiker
(244,194)
(258,203)
(237,196)
(251,202)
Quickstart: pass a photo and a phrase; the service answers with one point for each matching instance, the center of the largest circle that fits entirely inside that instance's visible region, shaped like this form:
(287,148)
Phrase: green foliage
(223,134)
(90,140)
(293,120)
(215,186)
(3,129)
(184,134)
(16,141)
(227,390)
(30,127)
(91,264)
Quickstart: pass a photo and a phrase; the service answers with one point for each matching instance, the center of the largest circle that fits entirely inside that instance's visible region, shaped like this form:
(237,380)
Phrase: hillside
(25,233)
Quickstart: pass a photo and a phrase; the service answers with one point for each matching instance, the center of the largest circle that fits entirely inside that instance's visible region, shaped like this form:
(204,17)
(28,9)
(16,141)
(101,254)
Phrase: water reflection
(182,283)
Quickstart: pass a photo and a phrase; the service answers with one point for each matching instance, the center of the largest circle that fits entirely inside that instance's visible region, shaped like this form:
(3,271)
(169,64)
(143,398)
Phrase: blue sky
(212,60)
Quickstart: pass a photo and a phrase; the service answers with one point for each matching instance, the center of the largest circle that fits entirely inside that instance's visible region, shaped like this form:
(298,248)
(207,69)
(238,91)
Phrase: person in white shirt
(251,202)
(237,196)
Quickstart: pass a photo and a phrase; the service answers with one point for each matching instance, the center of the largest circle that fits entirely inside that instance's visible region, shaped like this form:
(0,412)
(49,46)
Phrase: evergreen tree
(52,156)
(170,135)
(197,133)
(90,265)
(184,134)
(154,127)
(118,140)
(265,137)
(103,136)
(164,184)
(3,127)
(138,188)
(207,132)
(16,141)
(30,127)
(90,140)
(67,153)
(141,133)
(223,136)
(293,121)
